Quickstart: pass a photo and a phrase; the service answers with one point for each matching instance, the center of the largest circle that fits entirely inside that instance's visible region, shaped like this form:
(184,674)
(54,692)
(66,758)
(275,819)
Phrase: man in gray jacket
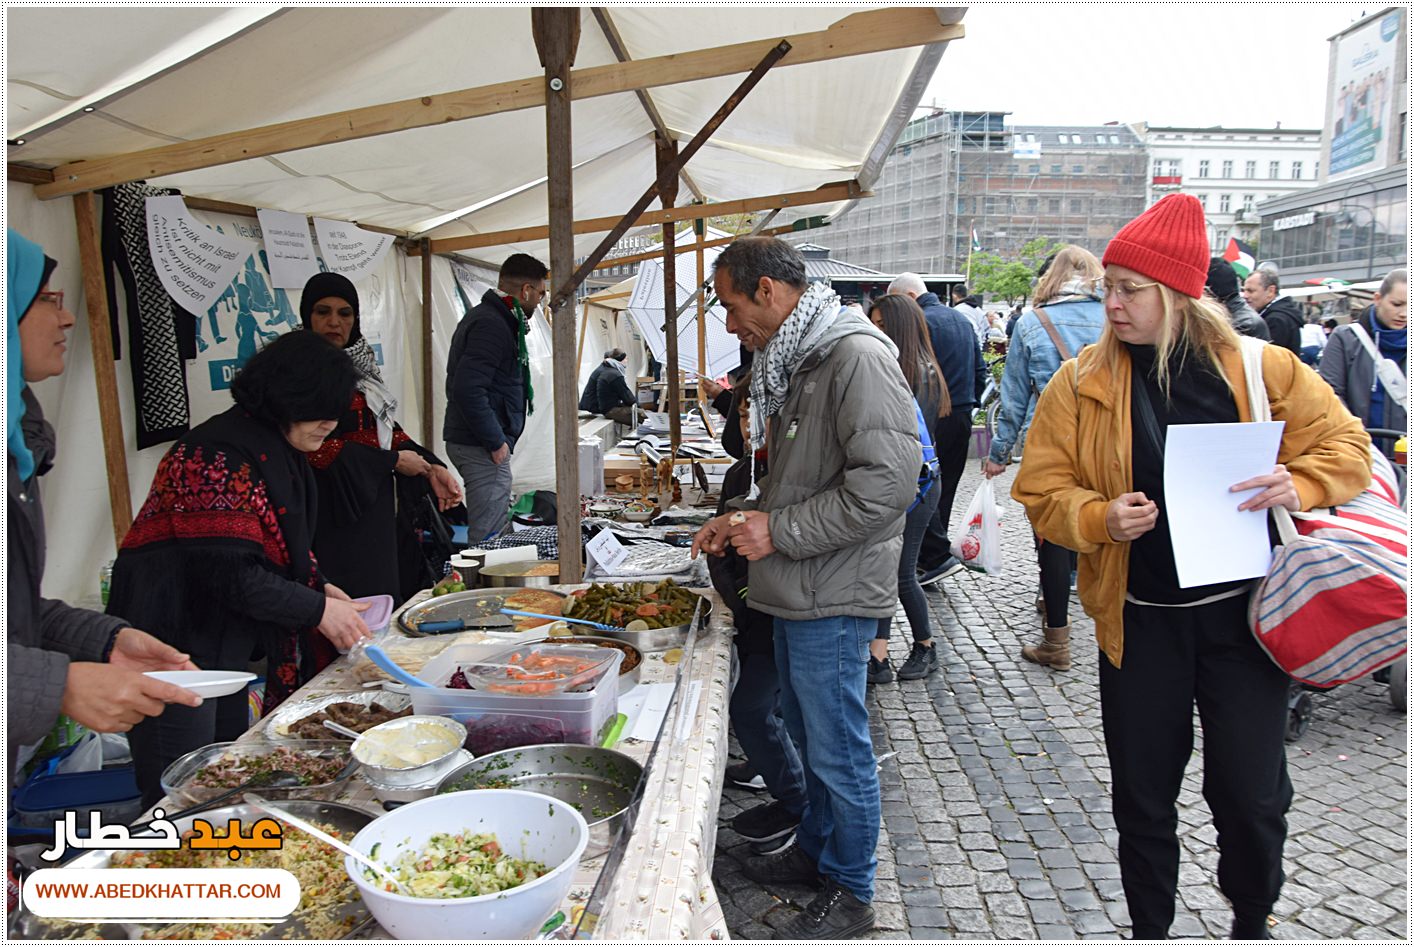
(1348,367)
(823,534)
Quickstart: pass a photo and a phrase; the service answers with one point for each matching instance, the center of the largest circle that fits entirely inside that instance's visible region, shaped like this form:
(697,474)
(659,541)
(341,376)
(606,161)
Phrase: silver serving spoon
(383,870)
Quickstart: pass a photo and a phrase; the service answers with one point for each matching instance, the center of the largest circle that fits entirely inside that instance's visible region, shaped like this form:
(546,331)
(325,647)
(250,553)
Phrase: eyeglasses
(1125,290)
(56,297)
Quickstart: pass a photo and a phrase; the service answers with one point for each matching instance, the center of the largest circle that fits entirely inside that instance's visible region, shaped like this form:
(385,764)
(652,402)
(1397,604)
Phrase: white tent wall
(79,528)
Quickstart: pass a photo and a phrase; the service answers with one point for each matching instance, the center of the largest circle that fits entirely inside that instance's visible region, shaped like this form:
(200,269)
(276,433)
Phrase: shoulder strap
(1261,406)
(1050,328)
(1397,391)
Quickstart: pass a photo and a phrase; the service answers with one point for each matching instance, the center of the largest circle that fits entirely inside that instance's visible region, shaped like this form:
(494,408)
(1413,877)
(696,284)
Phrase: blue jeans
(756,720)
(910,593)
(822,665)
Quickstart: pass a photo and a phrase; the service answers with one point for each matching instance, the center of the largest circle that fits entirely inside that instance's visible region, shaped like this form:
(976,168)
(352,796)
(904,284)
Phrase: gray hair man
(1262,290)
(823,533)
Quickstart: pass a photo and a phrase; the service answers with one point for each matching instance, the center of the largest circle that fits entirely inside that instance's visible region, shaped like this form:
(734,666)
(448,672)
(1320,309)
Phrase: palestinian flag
(976,243)
(1240,255)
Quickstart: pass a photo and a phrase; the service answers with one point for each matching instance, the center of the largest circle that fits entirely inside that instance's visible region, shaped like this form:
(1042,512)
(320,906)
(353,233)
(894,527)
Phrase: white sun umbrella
(645,307)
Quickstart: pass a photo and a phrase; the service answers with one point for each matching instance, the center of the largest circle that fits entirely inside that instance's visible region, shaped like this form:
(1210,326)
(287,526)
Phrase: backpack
(928,473)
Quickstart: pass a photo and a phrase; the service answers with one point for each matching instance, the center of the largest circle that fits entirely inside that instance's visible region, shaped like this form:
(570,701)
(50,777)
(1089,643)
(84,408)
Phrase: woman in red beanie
(1092,480)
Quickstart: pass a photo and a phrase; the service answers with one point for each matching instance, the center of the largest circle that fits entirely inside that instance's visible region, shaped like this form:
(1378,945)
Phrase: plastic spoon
(380,659)
(328,839)
(572,621)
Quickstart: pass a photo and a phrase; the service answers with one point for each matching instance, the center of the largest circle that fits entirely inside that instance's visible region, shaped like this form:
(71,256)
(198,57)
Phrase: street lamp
(1346,211)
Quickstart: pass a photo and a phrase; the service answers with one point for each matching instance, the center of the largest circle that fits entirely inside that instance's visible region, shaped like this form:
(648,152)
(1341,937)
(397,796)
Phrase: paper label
(194,262)
(288,247)
(351,250)
(606,550)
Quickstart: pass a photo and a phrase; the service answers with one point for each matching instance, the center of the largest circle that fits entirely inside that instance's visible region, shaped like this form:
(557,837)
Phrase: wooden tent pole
(101,341)
(824,194)
(667,152)
(556,32)
(702,372)
(427,425)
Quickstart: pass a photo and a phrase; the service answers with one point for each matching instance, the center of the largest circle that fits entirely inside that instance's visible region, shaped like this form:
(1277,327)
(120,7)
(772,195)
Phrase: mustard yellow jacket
(1077,461)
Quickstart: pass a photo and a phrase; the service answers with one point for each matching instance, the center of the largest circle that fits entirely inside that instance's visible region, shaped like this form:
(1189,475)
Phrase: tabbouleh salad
(459,866)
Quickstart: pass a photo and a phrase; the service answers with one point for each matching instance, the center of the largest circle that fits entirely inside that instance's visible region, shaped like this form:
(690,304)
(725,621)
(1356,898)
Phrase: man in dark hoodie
(1262,291)
(1223,284)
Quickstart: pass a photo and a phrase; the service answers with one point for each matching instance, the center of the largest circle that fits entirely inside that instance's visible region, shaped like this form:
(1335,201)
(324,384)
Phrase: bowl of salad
(489,864)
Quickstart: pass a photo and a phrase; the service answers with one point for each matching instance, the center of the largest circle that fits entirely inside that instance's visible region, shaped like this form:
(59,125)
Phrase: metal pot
(600,783)
(410,776)
(516,574)
(659,639)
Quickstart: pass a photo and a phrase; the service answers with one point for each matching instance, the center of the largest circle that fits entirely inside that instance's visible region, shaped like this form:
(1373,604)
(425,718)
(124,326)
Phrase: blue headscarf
(25,269)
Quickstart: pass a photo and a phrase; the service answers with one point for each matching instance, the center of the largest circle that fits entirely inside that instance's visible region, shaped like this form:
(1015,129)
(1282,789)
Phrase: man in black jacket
(1283,319)
(489,392)
(607,392)
(959,355)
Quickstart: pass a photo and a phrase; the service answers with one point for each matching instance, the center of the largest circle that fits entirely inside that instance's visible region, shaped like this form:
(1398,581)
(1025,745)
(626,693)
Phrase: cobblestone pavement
(995,803)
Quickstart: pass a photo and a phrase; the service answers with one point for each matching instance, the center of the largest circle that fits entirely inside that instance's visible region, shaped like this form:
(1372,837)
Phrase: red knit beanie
(1168,243)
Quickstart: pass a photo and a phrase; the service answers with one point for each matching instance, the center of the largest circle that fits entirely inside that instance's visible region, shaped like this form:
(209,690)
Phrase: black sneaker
(765,823)
(835,914)
(744,776)
(880,672)
(950,566)
(922,661)
(773,846)
(790,866)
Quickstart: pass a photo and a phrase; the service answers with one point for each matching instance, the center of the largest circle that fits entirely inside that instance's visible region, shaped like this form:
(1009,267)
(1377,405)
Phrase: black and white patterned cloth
(161,334)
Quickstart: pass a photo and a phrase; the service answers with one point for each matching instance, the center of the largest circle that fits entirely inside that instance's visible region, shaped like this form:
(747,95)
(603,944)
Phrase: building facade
(1354,226)
(1230,171)
(956,174)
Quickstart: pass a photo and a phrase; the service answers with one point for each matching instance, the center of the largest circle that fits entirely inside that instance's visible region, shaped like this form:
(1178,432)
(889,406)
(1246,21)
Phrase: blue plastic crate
(113,792)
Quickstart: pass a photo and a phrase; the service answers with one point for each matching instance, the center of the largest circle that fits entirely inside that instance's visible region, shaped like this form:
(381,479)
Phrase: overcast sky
(1185,64)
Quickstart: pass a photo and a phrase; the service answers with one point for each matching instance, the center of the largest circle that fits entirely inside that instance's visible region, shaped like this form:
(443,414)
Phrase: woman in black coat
(219,562)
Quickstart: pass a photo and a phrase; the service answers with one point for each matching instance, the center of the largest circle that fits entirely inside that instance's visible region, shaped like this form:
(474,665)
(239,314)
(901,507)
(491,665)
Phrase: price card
(606,550)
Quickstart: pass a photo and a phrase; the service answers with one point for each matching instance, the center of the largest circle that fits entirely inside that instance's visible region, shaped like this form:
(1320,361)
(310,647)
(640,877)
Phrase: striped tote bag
(1333,606)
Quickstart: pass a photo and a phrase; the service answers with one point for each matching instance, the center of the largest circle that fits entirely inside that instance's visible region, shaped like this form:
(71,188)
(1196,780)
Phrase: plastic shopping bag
(980,545)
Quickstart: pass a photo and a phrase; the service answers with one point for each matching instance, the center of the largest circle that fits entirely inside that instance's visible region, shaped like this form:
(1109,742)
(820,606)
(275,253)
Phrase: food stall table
(662,887)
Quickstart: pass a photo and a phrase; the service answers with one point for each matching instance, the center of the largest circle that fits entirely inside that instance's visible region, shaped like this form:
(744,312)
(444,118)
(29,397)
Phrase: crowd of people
(264,523)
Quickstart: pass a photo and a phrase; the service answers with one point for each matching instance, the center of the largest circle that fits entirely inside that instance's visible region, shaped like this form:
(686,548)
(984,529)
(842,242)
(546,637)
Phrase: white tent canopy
(137,78)
(802,127)
(646,308)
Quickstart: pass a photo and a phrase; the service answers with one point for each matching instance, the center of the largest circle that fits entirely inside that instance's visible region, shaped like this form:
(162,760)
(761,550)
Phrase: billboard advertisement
(1362,101)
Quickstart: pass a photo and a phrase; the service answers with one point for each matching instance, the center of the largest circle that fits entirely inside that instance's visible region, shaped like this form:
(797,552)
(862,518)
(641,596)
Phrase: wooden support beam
(702,372)
(825,194)
(668,173)
(667,155)
(556,32)
(718,242)
(620,49)
(427,427)
(110,418)
(866,32)
(25,174)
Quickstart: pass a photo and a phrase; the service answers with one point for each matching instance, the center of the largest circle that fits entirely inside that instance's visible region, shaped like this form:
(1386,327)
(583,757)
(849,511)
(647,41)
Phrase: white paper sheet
(194,262)
(351,250)
(1212,540)
(288,247)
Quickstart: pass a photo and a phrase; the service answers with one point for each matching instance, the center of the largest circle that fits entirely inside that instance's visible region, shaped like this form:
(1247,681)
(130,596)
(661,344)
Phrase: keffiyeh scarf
(816,323)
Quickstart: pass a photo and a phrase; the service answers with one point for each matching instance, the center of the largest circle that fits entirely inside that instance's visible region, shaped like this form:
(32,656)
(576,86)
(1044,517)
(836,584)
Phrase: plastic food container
(112,792)
(380,610)
(537,669)
(501,721)
(177,781)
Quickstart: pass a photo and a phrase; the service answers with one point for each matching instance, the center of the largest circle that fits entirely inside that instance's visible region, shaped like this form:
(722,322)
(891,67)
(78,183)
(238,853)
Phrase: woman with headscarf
(219,562)
(58,659)
(368,468)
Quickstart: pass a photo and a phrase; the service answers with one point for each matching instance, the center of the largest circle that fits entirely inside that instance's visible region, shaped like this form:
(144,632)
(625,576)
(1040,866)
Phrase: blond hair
(1198,327)
(1070,263)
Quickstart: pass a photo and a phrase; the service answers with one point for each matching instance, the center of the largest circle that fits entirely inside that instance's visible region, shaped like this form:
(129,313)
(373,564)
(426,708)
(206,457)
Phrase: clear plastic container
(536,669)
(501,721)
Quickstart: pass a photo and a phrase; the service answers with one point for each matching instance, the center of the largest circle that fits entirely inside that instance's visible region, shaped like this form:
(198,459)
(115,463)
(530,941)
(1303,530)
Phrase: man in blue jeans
(822,533)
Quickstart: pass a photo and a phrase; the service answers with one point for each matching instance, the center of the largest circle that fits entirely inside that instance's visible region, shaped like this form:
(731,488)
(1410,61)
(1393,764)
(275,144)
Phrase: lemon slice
(638,624)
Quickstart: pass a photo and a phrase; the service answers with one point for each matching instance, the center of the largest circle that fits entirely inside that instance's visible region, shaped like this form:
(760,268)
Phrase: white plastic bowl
(527,825)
